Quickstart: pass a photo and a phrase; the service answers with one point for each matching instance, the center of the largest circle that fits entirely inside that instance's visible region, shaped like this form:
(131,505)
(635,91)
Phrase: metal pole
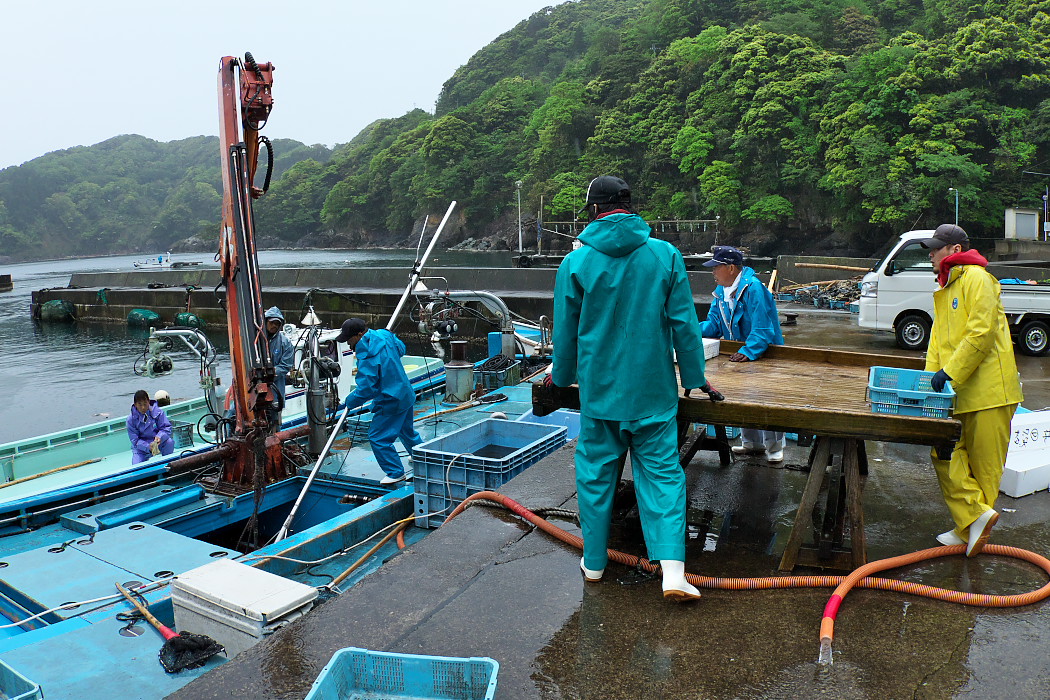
(413,277)
(517,185)
(952,189)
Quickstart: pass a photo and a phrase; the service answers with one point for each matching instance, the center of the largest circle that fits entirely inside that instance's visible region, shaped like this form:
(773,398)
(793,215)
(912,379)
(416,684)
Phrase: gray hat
(946,234)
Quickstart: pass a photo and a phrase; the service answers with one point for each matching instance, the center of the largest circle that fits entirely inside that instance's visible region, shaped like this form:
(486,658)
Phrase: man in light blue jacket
(743,309)
(381,379)
(622,303)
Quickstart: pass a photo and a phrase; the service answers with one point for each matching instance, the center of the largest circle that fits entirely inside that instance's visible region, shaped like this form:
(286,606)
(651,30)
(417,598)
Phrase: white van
(897,295)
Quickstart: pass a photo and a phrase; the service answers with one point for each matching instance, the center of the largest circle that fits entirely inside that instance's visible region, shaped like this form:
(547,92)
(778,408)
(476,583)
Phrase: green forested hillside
(788,119)
(126,194)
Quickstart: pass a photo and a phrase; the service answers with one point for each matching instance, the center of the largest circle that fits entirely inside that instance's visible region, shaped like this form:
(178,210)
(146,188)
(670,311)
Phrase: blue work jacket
(753,321)
(381,377)
(622,307)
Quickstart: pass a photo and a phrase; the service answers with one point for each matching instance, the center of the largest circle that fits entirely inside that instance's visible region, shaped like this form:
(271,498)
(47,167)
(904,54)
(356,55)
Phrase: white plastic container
(711,346)
(235,604)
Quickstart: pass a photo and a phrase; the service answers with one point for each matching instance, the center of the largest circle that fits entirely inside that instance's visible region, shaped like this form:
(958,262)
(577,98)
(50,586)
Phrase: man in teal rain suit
(743,309)
(621,304)
(381,378)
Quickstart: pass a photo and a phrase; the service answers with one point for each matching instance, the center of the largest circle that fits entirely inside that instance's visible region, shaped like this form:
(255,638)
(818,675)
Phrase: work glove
(937,380)
(548,381)
(154,448)
(739,357)
(712,393)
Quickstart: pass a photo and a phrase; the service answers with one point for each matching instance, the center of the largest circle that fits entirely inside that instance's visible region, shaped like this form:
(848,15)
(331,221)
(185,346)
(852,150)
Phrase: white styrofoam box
(711,346)
(235,604)
(1027,467)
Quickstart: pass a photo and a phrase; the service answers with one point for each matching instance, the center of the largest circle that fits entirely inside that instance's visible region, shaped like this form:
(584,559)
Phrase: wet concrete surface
(488,585)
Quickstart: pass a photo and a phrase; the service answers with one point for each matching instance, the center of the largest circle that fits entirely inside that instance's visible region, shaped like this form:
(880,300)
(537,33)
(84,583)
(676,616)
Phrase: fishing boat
(164,262)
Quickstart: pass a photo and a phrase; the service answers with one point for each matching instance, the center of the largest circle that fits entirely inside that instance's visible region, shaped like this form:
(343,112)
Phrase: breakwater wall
(334,293)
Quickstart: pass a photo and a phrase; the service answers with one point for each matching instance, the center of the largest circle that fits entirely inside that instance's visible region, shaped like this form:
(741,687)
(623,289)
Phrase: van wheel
(913,332)
(1034,338)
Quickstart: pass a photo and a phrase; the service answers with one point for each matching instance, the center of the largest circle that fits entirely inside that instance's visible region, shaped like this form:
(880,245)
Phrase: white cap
(161,394)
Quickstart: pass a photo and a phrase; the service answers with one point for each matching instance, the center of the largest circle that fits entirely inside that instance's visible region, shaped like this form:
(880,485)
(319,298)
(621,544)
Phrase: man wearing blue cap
(622,304)
(381,379)
(283,355)
(743,309)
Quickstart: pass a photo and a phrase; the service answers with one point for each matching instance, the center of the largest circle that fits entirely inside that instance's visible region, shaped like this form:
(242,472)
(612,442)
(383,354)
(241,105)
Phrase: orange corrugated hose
(857,579)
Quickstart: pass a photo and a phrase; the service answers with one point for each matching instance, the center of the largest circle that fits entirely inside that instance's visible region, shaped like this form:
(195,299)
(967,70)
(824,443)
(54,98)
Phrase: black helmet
(608,189)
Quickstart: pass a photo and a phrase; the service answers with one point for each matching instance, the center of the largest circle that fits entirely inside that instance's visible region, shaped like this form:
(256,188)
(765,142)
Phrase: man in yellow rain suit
(970,347)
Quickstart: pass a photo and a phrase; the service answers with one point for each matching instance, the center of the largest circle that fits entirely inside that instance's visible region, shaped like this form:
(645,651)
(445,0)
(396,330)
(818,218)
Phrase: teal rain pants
(390,423)
(659,483)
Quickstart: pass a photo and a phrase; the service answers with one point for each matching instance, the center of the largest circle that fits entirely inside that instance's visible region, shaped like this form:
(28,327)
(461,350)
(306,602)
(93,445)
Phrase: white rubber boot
(591,575)
(676,588)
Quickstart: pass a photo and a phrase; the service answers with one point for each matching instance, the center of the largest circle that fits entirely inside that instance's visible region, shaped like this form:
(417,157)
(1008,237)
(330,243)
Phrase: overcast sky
(76,73)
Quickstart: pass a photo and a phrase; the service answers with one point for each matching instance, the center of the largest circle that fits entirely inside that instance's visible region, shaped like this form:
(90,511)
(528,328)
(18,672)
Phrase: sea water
(55,376)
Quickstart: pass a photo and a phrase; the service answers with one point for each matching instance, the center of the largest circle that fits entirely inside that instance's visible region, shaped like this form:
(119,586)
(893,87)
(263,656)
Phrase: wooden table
(808,391)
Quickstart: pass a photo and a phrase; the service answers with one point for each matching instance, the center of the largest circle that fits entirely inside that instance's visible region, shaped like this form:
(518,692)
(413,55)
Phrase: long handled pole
(313,473)
(414,277)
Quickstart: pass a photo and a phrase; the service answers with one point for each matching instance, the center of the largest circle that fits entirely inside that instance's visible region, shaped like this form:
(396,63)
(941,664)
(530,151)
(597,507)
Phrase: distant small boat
(163,262)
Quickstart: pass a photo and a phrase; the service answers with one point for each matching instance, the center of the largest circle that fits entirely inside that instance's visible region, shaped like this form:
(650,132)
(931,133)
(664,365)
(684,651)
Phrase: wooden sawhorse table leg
(689,445)
(837,463)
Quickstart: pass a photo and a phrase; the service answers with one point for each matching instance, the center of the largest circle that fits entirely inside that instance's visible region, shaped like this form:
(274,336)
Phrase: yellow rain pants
(970,480)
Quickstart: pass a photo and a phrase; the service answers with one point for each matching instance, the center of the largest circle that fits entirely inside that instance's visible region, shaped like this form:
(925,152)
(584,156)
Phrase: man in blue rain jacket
(743,309)
(622,303)
(381,378)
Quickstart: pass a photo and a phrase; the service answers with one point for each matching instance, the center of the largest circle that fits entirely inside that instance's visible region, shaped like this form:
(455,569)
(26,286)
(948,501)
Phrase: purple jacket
(143,428)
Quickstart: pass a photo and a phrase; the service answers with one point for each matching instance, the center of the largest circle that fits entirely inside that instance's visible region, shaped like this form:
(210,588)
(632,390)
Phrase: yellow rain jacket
(971,341)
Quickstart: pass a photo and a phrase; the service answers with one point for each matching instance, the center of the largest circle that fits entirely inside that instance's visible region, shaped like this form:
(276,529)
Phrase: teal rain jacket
(753,320)
(281,352)
(381,377)
(621,303)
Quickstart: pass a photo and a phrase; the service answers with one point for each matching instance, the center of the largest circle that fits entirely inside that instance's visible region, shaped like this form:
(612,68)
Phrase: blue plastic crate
(839,304)
(478,457)
(15,686)
(907,392)
(731,431)
(784,296)
(854,307)
(361,674)
(182,434)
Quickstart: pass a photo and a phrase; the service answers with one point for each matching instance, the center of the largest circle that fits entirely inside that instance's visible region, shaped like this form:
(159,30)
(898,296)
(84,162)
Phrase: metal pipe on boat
(413,278)
(313,473)
(186,464)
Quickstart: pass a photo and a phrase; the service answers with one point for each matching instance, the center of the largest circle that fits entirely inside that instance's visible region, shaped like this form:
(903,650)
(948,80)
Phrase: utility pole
(517,185)
(952,189)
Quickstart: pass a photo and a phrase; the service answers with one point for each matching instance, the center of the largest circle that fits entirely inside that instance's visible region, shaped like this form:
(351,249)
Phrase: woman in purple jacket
(148,429)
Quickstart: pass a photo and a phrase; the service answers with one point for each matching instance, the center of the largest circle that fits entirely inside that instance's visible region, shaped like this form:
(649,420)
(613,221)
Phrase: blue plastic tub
(907,392)
(15,686)
(563,416)
(480,457)
(361,674)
